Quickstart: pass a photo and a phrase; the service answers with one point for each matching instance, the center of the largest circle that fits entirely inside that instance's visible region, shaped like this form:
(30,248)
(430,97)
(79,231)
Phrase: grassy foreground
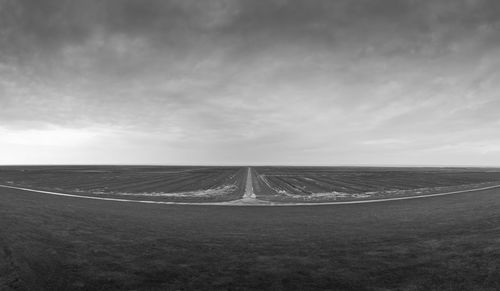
(60,243)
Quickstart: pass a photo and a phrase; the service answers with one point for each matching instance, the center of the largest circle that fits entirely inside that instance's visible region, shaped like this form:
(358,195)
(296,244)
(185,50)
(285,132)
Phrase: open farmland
(248,185)
(133,182)
(361,183)
(52,242)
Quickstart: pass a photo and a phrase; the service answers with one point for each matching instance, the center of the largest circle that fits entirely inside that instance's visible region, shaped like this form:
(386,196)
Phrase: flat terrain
(63,243)
(316,184)
(255,185)
(173,183)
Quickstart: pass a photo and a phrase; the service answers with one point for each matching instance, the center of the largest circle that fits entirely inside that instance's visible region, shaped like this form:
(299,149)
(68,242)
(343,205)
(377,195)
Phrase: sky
(250,82)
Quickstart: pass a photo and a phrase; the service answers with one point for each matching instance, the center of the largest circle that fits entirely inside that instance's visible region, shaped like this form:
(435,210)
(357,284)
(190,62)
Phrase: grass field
(63,243)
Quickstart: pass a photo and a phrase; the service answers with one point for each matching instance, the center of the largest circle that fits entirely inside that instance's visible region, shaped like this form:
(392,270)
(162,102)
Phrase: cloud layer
(250,82)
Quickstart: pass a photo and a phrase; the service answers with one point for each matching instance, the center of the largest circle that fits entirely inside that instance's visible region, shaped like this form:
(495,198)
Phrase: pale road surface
(249,187)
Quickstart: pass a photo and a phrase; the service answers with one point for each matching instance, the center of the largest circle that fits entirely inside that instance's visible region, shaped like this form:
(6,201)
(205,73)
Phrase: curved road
(250,199)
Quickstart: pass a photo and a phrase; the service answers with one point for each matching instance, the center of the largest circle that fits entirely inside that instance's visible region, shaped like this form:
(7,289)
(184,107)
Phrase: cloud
(53,137)
(386,142)
(475,147)
(259,81)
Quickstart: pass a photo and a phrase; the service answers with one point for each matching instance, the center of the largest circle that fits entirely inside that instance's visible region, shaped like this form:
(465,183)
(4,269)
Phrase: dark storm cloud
(225,76)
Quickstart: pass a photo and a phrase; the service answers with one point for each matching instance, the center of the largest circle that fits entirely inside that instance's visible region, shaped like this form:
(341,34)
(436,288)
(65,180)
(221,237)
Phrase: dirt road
(249,194)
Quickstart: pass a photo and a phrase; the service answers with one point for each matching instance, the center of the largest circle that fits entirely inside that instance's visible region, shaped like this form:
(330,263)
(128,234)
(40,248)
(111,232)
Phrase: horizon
(255,165)
(236,82)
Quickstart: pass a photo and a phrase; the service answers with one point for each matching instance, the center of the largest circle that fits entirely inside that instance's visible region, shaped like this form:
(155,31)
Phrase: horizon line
(259,165)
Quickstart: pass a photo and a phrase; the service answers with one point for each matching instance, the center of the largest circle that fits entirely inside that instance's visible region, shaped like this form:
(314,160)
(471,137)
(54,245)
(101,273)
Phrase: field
(63,243)
(50,242)
(133,182)
(268,184)
(360,183)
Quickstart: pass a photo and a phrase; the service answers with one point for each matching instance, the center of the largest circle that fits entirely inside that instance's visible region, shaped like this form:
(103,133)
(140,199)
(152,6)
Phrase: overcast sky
(392,82)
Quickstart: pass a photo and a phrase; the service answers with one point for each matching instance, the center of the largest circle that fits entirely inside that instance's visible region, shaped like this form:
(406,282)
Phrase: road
(249,194)
(250,199)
